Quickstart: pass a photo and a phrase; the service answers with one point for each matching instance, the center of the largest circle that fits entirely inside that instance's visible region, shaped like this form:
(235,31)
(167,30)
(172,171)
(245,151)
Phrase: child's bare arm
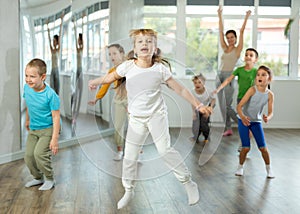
(55,134)
(226,82)
(106,79)
(268,117)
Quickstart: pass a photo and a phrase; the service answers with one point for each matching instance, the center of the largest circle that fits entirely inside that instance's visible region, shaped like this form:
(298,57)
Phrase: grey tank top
(228,61)
(254,107)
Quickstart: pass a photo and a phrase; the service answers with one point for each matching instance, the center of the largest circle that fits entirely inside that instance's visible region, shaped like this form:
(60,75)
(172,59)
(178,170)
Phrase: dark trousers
(201,125)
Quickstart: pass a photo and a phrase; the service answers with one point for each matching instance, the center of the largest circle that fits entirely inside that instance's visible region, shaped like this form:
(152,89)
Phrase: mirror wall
(70,62)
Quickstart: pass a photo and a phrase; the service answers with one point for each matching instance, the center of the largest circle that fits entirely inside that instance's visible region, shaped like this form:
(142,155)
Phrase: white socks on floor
(192,191)
(119,156)
(34,182)
(48,184)
(125,199)
(239,171)
(269,172)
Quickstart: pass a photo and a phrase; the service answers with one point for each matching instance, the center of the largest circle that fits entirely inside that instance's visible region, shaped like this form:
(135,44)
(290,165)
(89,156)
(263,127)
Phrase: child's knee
(263,149)
(246,149)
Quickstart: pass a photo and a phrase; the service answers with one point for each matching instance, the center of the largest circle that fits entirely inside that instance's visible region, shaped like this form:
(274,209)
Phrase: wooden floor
(88,180)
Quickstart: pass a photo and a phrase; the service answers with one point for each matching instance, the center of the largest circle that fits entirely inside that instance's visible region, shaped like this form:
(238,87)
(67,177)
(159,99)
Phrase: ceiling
(35,3)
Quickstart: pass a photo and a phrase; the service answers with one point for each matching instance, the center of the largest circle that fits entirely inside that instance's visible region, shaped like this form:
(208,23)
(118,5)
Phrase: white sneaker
(239,171)
(34,182)
(47,185)
(118,156)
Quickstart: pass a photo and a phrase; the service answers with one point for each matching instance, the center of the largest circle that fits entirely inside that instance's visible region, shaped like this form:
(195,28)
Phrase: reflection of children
(117,56)
(55,49)
(250,117)
(43,124)
(148,112)
(76,97)
(228,61)
(205,96)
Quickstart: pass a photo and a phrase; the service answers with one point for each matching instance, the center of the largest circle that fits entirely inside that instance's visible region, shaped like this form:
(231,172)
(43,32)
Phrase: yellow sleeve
(104,88)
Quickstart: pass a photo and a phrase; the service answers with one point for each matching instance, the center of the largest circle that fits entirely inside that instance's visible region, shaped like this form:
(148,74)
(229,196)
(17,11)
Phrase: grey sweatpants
(225,97)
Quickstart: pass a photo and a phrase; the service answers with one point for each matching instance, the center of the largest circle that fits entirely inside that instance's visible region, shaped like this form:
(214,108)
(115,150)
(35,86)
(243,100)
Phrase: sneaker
(270,174)
(118,156)
(49,184)
(239,171)
(34,182)
(228,133)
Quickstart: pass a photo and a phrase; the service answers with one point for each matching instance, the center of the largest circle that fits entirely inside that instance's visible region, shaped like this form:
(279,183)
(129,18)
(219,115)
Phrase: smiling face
(250,57)
(144,45)
(231,39)
(33,79)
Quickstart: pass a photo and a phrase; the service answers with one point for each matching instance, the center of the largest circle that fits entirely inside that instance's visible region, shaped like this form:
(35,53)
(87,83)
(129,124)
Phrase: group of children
(147,112)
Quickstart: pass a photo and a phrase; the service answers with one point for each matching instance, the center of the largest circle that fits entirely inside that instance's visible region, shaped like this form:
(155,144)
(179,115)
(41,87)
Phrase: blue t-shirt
(40,106)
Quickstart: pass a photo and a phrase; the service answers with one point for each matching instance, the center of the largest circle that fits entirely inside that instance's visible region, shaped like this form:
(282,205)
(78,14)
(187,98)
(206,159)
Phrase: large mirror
(72,40)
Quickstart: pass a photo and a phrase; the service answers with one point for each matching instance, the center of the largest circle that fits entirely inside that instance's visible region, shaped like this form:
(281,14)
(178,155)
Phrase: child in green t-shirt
(246,75)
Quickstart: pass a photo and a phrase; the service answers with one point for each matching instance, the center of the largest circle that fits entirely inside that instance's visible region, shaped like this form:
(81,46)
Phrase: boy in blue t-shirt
(42,123)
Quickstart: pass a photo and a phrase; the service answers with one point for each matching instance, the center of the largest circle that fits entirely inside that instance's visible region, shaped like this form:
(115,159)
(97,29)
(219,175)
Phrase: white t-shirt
(143,87)
(206,97)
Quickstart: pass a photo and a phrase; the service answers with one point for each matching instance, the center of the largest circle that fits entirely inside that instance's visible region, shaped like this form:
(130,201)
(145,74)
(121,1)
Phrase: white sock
(192,191)
(125,199)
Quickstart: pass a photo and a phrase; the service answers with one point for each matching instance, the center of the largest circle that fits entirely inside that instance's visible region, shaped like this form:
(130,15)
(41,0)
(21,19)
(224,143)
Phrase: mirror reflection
(72,42)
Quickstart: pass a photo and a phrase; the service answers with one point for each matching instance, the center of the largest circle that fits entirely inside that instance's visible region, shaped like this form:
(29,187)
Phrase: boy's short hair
(199,76)
(254,50)
(38,63)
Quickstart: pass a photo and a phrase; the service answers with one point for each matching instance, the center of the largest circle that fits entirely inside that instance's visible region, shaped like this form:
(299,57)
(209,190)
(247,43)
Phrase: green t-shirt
(245,79)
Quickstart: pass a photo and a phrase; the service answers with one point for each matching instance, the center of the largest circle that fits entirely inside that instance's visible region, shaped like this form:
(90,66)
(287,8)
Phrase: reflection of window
(97,32)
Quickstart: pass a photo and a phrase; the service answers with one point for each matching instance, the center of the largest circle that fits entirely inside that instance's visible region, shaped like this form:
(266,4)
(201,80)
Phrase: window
(264,31)
(273,47)
(202,45)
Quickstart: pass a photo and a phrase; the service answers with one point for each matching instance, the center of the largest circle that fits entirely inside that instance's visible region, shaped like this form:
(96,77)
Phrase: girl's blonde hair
(150,32)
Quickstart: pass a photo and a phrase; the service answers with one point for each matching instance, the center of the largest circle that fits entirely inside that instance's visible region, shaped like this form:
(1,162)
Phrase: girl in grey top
(250,112)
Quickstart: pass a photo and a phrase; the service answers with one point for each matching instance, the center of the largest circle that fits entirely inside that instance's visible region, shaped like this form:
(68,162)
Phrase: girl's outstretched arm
(106,79)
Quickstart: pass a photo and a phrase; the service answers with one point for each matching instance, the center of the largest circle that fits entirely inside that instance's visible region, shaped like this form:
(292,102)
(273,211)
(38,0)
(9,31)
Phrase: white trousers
(138,130)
